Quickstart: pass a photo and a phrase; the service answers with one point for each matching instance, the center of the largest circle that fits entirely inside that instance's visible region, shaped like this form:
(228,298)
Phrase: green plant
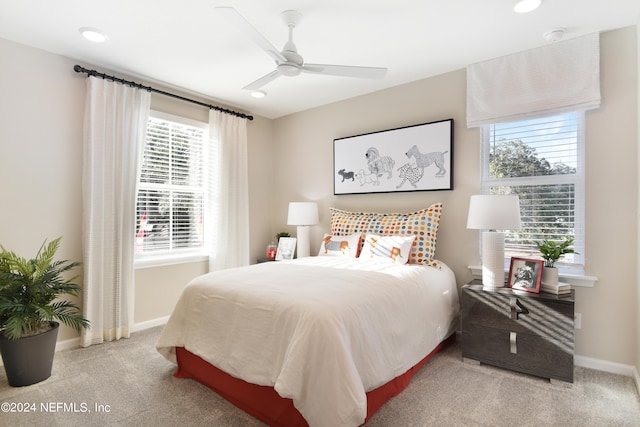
(552,250)
(29,289)
(282,234)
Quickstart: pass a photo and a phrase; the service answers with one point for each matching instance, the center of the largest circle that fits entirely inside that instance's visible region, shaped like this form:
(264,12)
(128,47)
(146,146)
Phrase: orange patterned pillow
(423,224)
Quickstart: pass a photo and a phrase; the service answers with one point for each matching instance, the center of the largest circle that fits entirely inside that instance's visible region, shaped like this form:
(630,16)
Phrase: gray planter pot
(29,360)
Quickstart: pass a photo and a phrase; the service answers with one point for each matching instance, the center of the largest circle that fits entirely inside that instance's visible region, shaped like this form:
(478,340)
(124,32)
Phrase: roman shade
(559,77)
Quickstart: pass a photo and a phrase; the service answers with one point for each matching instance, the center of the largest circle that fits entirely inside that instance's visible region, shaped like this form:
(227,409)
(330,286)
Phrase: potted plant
(551,252)
(30,309)
(282,234)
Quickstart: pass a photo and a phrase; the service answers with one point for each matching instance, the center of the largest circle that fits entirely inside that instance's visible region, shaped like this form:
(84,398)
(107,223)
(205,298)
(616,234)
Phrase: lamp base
(303,241)
(492,260)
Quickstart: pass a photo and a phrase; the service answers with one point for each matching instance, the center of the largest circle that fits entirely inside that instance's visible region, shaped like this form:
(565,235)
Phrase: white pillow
(395,249)
(341,246)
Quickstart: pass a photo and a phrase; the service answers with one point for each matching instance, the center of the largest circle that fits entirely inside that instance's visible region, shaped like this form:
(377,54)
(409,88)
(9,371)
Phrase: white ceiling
(187,44)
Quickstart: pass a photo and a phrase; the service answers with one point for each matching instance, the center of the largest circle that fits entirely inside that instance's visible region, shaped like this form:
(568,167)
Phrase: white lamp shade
(303,213)
(494,212)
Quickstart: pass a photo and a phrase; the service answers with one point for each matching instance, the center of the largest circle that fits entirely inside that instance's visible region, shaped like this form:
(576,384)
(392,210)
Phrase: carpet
(127,383)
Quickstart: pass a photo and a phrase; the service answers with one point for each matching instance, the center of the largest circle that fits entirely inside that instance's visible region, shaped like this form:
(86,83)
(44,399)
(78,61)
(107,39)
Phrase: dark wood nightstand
(261,260)
(522,331)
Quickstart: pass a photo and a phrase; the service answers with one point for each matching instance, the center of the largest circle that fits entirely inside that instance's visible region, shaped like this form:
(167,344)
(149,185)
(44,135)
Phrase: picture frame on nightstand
(525,274)
(286,248)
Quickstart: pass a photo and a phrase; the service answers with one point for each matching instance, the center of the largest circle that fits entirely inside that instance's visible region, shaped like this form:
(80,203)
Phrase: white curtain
(114,130)
(560,77)
(230,195)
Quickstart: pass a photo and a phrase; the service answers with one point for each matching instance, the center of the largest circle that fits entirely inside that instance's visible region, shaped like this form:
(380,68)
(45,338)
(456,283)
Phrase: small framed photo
(525,274)
(286,248)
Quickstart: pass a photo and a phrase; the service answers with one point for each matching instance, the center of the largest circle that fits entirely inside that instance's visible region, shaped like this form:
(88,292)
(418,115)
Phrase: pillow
(340,246)
(394,249)
(423,224)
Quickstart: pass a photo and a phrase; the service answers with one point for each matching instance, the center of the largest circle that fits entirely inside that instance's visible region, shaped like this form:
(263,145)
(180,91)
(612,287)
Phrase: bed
(318,341)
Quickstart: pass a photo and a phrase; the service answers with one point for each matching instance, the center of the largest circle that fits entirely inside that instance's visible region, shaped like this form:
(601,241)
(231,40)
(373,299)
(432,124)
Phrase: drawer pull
(512,341)
(516,308)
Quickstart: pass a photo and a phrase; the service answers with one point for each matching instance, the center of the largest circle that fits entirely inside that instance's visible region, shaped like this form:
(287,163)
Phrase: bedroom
(50,104)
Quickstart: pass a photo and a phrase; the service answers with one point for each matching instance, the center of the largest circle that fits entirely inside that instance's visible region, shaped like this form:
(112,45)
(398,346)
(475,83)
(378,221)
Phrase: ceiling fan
(288,61)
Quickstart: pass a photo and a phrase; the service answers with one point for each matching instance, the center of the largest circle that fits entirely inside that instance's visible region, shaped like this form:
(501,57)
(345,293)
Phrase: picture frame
(525,274)
(286,248)
(411,158)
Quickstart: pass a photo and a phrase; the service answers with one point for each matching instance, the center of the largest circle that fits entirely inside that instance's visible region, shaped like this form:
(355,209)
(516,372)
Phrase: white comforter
(320,330)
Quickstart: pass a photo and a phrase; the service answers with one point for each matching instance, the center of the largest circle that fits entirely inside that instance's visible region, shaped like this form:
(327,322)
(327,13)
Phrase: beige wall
(303,143)
(41,113)
(41,108)
(638,210)
(304,149)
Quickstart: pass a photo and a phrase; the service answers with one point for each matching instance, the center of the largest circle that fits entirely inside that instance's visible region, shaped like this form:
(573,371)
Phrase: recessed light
(526,6)
(258,94)
(93,34)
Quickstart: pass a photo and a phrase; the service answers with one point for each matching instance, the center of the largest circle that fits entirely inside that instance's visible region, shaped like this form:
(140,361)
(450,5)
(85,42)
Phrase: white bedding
(320,330)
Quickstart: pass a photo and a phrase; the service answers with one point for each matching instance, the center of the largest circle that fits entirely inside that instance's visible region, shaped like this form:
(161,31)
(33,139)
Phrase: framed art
(286,248)
(411,158)
(525,274)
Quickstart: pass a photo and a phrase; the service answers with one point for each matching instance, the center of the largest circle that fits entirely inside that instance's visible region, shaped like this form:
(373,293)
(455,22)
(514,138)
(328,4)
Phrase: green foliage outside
(547,210)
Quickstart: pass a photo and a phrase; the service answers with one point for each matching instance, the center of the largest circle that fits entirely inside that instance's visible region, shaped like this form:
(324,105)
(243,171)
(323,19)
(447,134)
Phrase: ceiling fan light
(289,70)
(258,94)
(526,6)
(93,34)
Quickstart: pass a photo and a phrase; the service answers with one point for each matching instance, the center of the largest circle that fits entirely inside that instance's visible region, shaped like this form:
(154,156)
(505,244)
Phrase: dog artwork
(395,253)
(364,178)
(379,165)
(424,160)
(411,174)
(346,175)
(329,245)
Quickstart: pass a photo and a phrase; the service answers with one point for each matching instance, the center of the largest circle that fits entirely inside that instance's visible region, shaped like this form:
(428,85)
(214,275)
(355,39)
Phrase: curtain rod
(79,69)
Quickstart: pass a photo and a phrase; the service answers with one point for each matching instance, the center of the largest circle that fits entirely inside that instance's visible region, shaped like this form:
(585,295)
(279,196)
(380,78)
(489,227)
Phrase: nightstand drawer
(526,332)
(515,312)
(541,356)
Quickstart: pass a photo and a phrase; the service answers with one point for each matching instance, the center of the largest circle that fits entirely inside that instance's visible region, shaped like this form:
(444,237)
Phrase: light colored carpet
(134,386)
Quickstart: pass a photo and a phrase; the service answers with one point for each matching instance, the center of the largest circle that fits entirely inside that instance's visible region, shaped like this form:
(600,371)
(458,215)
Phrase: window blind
(541,160)
(553,79)
(170,205)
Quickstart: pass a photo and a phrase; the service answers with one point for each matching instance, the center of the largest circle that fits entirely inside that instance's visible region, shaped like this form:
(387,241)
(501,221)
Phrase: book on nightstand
(561,288)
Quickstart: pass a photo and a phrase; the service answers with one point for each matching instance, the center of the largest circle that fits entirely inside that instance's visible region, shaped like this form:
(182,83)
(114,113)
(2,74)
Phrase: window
(542,161)
(170,209)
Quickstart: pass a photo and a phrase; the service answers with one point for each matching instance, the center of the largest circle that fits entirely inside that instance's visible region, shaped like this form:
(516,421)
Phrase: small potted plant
(30,308)
(282,234)
(551,252)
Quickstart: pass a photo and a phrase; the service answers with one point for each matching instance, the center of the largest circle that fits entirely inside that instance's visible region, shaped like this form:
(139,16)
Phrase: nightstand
(522,331)
(261,260)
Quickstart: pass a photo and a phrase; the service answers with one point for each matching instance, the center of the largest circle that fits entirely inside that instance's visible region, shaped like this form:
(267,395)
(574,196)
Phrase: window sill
(572,279)
(159,261)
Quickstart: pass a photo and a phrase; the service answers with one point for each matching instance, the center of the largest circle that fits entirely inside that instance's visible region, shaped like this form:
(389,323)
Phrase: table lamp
(493,212)
(303,214)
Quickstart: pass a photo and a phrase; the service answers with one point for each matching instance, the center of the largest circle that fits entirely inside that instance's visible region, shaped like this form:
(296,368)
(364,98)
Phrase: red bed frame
(265,404)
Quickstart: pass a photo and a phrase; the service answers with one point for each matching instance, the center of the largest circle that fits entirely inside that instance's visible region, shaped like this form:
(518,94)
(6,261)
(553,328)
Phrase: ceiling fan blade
(345,71)
(263,80)
(234,17)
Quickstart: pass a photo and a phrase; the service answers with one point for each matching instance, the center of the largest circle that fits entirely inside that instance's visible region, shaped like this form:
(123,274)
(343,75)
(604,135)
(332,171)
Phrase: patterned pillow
(394,249)
(423,224)
(346,246)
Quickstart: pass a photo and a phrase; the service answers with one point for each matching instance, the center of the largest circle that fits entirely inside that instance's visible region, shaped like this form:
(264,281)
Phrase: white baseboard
(150,324)
(606,366)
(72,343)
(611,367)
